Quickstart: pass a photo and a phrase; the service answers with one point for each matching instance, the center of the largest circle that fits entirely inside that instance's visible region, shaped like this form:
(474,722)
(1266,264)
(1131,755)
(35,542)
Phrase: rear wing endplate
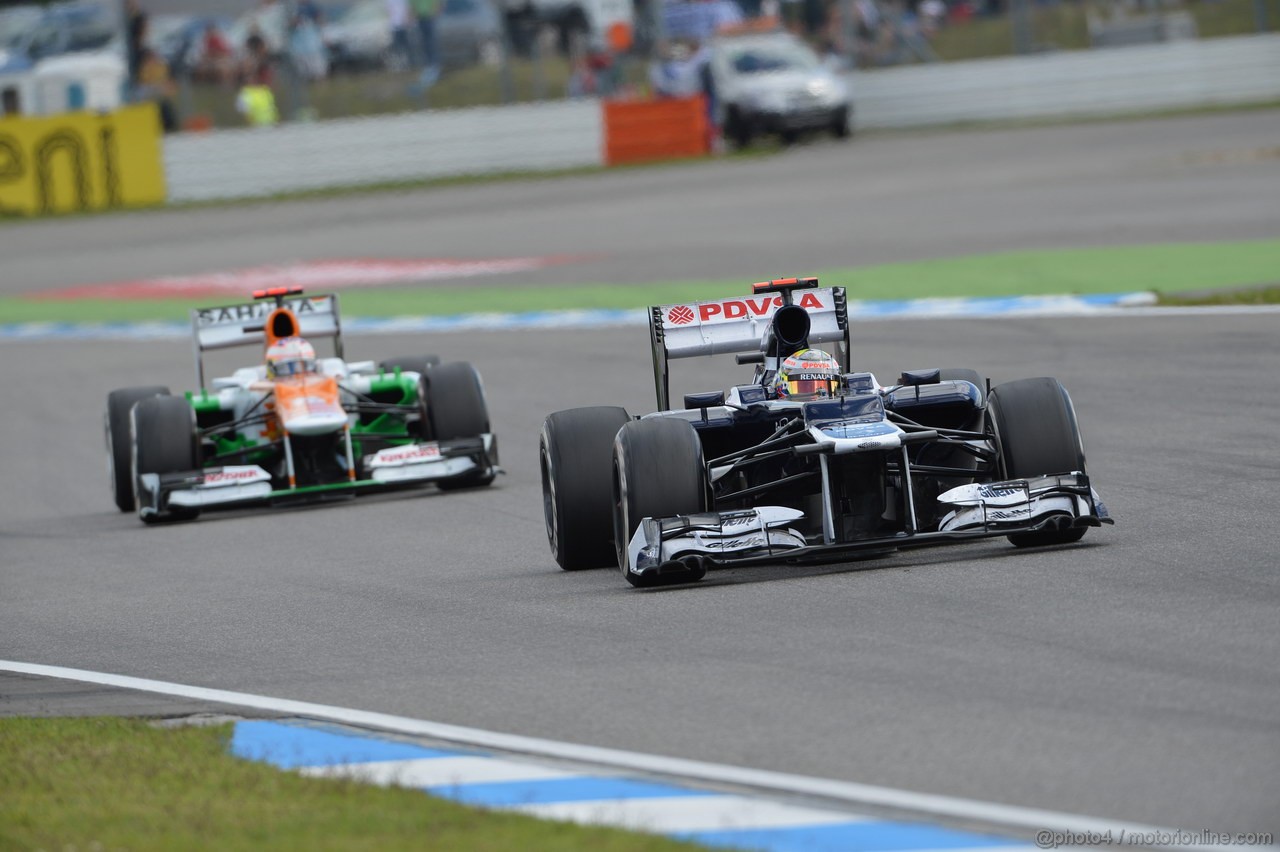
(227,326)
(738,324)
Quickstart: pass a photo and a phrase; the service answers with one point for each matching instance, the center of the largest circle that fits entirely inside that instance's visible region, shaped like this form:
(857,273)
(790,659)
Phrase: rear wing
(244,324)
(739,324)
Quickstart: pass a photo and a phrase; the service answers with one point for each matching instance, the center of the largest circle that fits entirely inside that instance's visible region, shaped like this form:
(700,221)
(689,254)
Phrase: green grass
(1167,269)
(106,783)
(1063,26)
(1246,296)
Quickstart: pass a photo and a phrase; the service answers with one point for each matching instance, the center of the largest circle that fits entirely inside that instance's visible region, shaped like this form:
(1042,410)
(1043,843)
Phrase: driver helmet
(290,356)
(808,374)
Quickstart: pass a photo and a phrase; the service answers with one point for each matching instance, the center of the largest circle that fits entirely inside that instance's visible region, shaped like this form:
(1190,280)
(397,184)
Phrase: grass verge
(1266,295)
(107,783)
(1241,267)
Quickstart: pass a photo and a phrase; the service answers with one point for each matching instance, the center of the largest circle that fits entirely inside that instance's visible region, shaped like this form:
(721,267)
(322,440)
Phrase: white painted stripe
(437,771)
(860,795)
(688,813)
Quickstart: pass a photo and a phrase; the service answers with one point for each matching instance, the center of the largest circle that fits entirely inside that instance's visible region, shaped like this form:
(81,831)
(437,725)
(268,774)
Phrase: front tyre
(165,440)
(658,472)
(842,123)
(738,128)
(119,447)
(575,450)
(456,408)
(1035,425)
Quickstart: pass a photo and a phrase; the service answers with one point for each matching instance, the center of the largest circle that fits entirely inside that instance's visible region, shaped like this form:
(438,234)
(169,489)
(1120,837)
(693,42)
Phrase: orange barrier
(663,129)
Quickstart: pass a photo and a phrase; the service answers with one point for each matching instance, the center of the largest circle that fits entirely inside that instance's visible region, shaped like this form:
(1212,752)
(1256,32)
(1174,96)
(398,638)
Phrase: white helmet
(290,356)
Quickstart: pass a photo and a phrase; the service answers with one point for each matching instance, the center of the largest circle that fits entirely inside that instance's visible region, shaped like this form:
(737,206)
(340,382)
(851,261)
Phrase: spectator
(256,101)
(9,102)
(136,38)
(398,19)
(426,12)
(155,84)
(256,69)
(215,60)
(678,73)
(306,47)
(932,14)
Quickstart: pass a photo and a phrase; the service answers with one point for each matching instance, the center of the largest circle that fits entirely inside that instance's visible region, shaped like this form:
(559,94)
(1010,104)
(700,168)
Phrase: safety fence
(1136,79)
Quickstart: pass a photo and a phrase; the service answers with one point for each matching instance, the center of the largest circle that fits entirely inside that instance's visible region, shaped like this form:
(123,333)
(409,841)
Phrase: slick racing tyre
(658,472)
(1035,426)
(842,124)
(575,450)
(119,449)
(165,440)
(456,408)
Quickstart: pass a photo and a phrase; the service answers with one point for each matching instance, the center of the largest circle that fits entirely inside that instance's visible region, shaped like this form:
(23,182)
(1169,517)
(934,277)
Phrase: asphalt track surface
(1134,676)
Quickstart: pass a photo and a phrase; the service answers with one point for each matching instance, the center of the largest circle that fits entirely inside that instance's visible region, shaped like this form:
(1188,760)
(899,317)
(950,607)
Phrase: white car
(773,83)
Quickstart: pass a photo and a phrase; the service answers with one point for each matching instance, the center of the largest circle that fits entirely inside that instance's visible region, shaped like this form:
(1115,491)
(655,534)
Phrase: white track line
(437,771)
(688,813)
(863,795)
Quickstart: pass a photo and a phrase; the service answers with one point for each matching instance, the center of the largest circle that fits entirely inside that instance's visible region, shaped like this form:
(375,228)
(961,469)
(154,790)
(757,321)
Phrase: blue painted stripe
(847,837)
(292,746)
(961,307)
(577,789)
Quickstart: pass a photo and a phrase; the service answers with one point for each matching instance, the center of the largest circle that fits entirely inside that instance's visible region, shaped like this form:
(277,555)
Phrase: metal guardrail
(257,162)
(547,136)
(1115,81)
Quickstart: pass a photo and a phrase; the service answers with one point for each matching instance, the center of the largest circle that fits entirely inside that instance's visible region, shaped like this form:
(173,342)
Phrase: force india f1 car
(336,427)
(745,477)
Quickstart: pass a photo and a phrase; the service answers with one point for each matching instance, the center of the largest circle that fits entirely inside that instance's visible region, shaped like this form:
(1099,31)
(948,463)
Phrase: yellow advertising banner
(81,161)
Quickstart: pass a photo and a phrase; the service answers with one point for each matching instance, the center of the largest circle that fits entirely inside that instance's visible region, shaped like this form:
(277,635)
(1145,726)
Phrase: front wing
(764,534)
(236,485)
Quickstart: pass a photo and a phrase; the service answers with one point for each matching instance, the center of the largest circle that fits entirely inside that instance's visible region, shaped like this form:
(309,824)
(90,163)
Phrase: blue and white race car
(810,460)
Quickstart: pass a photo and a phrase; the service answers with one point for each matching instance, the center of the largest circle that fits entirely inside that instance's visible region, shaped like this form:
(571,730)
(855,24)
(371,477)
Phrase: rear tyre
(119,449)
(165,440)
(1036,428)
(456,408)
(658,472)
(576,450)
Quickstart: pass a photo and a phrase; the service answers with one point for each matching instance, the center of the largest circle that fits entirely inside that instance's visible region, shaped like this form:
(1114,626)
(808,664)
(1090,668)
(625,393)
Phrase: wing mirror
(915,378)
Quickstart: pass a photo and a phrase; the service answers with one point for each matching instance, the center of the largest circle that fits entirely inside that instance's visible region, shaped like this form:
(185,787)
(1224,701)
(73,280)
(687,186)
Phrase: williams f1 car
(297,427)
(756,475)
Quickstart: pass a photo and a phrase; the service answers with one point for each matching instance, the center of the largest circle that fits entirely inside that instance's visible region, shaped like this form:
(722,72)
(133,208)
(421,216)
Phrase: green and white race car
(294,427)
